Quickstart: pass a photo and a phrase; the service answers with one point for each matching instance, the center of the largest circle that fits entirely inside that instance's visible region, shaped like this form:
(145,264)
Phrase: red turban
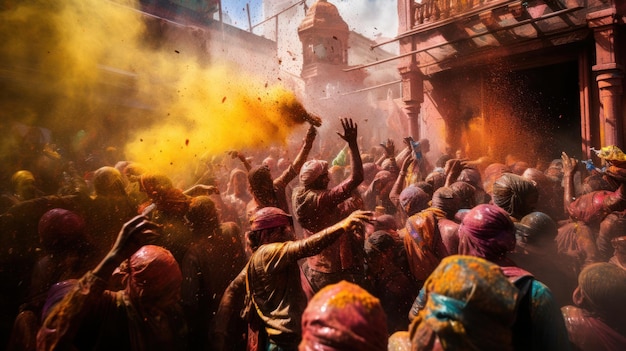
(154,273)
(486,231)
(344,317)
(269,217)
(413,199)
(60,229)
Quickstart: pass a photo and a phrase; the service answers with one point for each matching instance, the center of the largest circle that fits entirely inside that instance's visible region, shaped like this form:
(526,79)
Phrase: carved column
(412,96)
(412,79)
(610,85)
(609,76)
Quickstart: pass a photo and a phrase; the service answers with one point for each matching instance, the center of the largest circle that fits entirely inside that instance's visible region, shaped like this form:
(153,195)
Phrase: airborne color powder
(95,75)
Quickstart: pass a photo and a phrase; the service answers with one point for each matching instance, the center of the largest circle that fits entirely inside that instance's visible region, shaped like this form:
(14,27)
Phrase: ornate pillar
(609,76)
(412,79)
(610,85)
(412,96)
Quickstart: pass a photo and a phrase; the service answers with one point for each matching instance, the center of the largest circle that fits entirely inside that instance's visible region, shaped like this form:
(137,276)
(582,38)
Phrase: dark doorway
(549,106)
(534,113)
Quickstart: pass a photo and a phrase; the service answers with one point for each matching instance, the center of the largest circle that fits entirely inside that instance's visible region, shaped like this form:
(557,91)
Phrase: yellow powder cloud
(92,67)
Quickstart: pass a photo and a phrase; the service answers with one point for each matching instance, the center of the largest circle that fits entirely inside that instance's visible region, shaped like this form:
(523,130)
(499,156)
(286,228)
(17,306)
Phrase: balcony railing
(430,11)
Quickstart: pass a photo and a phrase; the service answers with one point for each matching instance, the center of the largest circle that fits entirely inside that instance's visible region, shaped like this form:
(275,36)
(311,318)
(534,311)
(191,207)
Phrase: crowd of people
(367,247)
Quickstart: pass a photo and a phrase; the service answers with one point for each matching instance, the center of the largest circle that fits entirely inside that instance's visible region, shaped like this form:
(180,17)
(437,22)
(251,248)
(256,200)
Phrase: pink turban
(269,217)
(311,170)
(60,229)
(344,317)
(154,273)
(384,176)
(413,199)
(471,176)
(486,231)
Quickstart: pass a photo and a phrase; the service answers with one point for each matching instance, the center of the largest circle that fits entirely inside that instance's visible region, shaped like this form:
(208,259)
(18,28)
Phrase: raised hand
(408,141)
(570,164)
(454,166)
(310,134)
(349,130)
(390,148)
(406,163)
(135,233)
(356,220)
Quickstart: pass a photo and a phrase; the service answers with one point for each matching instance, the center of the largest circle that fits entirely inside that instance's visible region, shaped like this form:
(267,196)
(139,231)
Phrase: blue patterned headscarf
(470,305)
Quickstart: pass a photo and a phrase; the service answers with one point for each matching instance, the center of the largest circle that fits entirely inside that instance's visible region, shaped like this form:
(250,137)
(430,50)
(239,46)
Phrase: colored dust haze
(86,70)
(510,122)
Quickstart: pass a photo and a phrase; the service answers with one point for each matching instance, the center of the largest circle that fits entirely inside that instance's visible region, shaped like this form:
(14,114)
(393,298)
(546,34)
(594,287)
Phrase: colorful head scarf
(519,167)
(379,241)
(22,180)
(466,193)
(487,232)
(436,179)
(413,199)
(160,189)
(516,195)
(269,217)
(341,158)
(237,172)
(601,290)
(344,317)
(154,274)
(535,227)
(471,176)
(446,200)
(108,181)
(60,229)
(541,180)
(470,305)
(386,222)
(311,170)
(384,177)
(369,172)
(491,173)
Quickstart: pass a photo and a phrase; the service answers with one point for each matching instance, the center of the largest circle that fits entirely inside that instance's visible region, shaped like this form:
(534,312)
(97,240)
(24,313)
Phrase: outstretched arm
(570,166)
(398,186)
(350,136)
(307,145)
(242,158)
(134,234)
(294,169)
(61,325)
(314,244)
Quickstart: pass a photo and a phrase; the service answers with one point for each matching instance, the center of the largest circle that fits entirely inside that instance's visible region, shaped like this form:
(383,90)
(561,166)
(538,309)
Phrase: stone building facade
(501,77)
